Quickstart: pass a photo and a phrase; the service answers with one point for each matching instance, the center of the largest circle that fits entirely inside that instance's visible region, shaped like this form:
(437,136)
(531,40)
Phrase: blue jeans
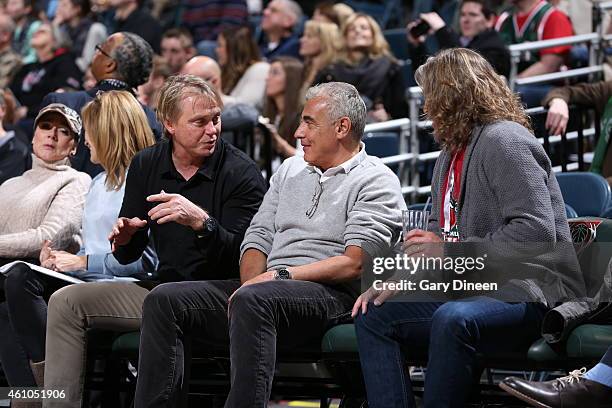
(452,333)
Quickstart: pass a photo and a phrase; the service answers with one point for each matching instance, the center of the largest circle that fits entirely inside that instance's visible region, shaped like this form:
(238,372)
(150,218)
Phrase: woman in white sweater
(50,197)
(243,73)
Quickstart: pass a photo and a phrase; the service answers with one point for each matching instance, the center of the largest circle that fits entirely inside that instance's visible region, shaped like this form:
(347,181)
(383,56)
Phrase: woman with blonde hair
(116,128)
(319,46)
(494,196)
(367,63)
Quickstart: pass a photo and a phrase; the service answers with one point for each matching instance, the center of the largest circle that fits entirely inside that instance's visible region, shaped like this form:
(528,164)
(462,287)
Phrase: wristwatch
(210,226)
(282,274)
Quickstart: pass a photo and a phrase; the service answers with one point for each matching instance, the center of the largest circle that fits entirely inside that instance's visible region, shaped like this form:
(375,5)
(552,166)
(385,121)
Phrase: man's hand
(62,261)
(176,208)
(419,242)
(434,21)
(415,41)
(378,297)
(124,229)
(557,117)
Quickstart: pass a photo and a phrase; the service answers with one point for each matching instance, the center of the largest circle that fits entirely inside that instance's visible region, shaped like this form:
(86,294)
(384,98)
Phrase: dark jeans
(453,333)
(23,322)
(288,313)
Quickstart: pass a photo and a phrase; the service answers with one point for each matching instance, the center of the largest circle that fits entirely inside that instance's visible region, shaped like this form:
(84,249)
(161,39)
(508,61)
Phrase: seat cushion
(340,339)
(127,343)
(589,341)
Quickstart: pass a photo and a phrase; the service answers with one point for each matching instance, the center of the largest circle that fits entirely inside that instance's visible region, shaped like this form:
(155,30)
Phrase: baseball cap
(73,118)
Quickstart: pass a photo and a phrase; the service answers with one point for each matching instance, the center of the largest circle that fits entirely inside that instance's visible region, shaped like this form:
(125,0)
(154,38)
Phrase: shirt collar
(344,167)
(208,168)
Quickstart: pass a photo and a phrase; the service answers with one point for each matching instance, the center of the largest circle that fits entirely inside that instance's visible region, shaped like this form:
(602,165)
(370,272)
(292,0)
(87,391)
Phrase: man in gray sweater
(301,259)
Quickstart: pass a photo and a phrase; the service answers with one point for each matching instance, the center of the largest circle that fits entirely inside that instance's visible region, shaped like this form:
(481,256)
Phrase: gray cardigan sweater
(511,208)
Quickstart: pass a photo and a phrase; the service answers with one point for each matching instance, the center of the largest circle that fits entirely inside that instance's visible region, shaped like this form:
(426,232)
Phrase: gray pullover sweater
(360,204)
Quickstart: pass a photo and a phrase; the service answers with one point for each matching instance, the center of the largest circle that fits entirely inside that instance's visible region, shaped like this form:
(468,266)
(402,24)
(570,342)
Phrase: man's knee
(250,298)
(453,318)
(160,300)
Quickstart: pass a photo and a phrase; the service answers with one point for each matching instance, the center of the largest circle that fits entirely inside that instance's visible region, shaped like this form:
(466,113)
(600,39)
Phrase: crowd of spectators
(156,85)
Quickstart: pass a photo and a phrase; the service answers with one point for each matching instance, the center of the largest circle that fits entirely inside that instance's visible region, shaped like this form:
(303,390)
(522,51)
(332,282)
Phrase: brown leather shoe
(572,391)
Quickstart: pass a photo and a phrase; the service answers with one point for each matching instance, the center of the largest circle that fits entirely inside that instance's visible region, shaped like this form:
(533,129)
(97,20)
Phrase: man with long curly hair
(493,188)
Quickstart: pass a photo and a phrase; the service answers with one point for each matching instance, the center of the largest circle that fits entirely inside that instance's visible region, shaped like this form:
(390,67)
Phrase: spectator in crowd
(117,129)
(177,48)
(191,188)
(243,73)
(486,141)
(72,20)
(367,63)
(597,96)
(15,156)
(332,12)
(236,115)
(134,19)
(10,61)
(582,388)
(319,45)
(476,21)
(148,93)
(535,20)
(206,19)
(54,70)
(27,219)
(283,105)
(24,16)
(280,24)
(123,62)
(301,260)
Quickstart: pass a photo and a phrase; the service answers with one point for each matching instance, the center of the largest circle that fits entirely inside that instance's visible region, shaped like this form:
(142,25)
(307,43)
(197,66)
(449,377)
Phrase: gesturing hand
(175,207)
(124,229)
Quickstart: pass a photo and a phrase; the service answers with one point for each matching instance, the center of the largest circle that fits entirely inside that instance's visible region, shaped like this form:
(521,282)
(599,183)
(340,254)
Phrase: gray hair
(134,57)
(178,87)
(295,9)
(343,100)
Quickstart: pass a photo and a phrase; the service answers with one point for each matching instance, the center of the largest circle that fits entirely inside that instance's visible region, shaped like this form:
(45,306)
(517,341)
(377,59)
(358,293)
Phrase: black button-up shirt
(228,186)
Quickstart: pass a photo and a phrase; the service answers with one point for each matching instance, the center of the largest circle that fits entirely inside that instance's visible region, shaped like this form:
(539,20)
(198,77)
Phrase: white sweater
(38,204)
(251,87)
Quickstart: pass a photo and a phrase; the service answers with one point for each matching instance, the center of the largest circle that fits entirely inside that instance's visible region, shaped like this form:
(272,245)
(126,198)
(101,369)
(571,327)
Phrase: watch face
(210,225)
(283,274)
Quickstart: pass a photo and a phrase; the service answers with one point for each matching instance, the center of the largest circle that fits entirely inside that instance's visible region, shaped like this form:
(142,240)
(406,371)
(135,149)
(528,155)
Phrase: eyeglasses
(101,51)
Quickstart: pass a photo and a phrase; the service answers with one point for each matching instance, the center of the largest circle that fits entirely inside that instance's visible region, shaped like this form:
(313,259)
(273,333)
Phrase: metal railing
(410,131)
(518,51)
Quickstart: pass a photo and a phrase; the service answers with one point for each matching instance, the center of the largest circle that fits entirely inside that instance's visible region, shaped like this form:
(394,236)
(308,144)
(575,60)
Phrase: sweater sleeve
(374,221)
(65,209)
(260,234)
(252,86)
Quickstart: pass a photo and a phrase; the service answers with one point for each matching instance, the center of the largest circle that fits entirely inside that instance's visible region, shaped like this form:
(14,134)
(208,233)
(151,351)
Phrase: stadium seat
(587,193)
(570,212)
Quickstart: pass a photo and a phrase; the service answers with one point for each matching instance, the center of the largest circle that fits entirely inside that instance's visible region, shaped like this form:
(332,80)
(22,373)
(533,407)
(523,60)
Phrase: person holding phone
(476,21)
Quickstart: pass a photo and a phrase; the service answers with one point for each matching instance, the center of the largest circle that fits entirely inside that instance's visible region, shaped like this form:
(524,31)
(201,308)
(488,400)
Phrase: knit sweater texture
(38,204)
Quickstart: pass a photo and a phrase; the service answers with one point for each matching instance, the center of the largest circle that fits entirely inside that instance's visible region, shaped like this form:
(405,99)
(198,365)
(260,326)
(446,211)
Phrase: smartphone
(420,29)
